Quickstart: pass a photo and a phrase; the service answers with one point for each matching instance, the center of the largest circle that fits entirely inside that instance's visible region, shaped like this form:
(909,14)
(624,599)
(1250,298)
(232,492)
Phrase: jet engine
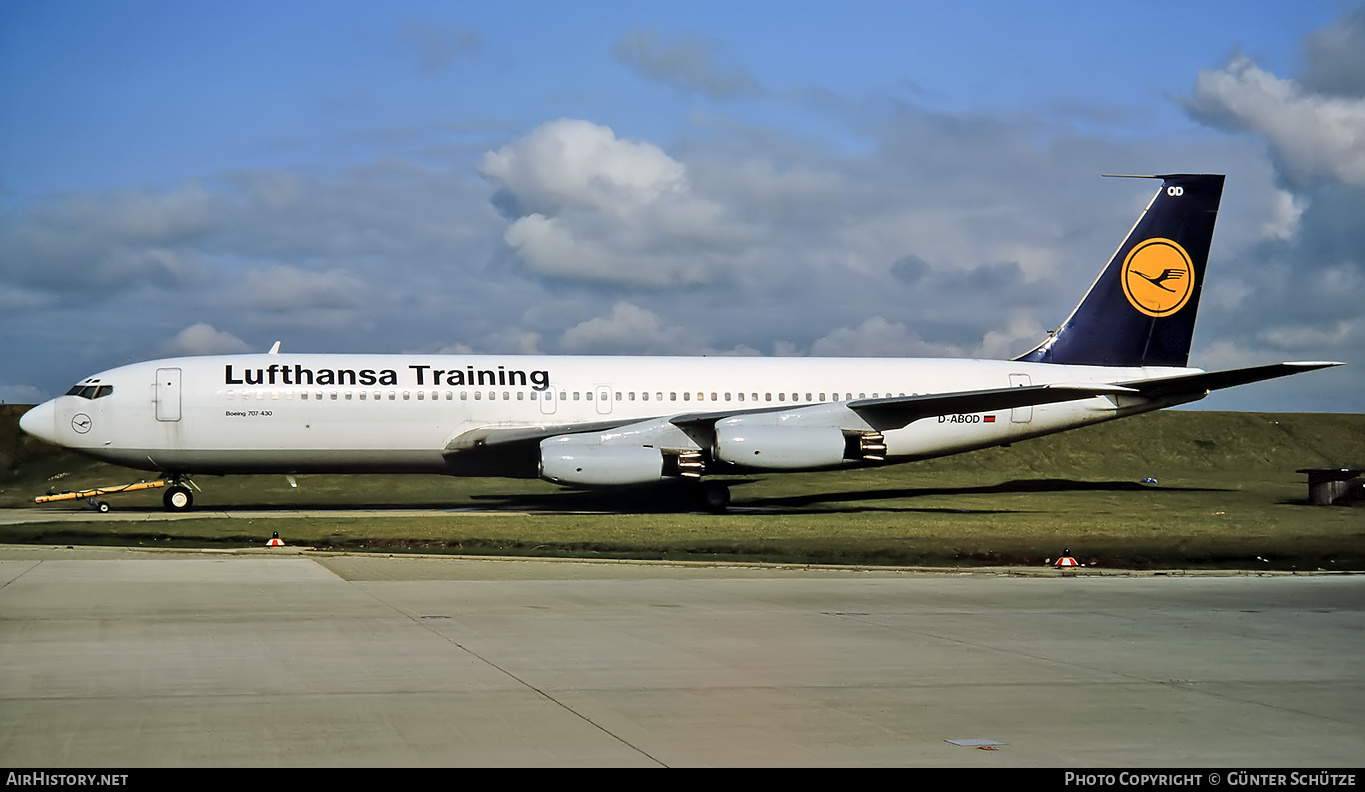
(570,460)
(795,447)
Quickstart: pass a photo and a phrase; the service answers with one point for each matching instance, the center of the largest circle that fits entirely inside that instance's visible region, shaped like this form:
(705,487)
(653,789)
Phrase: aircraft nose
(41,422)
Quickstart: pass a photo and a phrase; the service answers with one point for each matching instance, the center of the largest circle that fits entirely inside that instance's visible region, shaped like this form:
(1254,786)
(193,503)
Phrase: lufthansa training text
(299,374)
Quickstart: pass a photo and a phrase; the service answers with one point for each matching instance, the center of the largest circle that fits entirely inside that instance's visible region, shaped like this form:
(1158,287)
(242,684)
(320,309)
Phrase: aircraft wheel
(103,506)
(177,498)
(715,497)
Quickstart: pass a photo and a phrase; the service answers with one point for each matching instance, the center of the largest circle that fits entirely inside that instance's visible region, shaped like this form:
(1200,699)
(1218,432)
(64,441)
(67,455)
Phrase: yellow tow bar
(91,494)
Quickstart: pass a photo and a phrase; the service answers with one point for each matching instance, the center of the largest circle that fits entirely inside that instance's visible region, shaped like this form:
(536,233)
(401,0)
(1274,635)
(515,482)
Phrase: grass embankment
(1227,496)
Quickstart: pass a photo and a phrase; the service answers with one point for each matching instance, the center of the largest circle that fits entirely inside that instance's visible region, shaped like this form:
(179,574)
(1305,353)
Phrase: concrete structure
(284,658)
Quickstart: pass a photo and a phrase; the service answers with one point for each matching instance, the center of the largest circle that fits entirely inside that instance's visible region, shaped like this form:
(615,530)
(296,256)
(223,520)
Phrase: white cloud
(876,337)
(585,205)
(629,328)
(570,164)
(1315,136)
(1285,214)
(285,288)
(1019,335)
(687,63)
(108,242)
(203,339)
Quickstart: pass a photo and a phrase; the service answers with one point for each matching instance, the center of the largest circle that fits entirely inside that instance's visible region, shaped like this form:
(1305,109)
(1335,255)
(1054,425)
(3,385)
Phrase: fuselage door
(1021,414)
(547,401)
(168,394)
(603,399)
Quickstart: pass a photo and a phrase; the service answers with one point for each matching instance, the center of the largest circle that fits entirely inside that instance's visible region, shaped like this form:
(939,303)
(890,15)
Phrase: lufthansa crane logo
(1158,277)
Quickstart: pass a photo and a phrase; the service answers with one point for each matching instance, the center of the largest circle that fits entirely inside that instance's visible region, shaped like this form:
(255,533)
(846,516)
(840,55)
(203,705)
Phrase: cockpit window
(91,391)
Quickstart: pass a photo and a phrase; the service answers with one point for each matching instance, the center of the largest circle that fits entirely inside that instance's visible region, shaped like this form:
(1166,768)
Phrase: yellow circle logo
(1158,277)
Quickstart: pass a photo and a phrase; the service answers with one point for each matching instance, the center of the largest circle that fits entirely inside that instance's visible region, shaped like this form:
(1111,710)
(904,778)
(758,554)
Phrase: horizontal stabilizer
(1204,382)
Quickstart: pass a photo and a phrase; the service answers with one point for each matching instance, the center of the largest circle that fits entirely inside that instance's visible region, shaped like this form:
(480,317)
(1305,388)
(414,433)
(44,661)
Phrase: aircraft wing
(892,412)
(485,436)
(895,412)
(898,411)
(1204,382)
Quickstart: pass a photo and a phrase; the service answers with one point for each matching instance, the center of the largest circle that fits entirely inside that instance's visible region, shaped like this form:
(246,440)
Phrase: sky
(717,178)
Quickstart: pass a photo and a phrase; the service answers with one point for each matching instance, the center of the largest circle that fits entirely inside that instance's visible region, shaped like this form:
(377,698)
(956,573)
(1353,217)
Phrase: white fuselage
(406,413)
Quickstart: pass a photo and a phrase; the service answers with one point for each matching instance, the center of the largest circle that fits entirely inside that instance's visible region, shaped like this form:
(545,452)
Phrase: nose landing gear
(178,497)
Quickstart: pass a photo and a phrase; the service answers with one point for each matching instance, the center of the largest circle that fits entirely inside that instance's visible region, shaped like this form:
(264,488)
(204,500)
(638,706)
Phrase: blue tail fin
(1141,309)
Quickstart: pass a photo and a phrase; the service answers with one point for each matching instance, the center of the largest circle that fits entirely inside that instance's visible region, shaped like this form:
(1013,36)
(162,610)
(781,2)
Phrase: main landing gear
(714,497)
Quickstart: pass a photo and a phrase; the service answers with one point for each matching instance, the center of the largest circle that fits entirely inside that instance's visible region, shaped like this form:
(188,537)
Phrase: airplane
(604,421)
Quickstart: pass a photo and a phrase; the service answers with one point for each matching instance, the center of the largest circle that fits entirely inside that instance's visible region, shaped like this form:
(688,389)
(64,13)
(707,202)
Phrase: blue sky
(702,178)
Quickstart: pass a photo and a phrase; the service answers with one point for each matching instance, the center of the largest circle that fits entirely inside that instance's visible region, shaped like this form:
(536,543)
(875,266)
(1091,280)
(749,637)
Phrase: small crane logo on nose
(81,423)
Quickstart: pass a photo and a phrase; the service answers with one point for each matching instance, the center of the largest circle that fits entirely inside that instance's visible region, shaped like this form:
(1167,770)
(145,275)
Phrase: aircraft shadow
(665,500)
(850,501)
